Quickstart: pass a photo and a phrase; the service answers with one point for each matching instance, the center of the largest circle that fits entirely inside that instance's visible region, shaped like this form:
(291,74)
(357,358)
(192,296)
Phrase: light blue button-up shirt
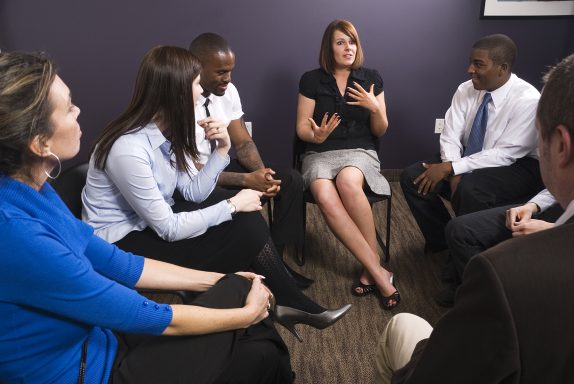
(135,190)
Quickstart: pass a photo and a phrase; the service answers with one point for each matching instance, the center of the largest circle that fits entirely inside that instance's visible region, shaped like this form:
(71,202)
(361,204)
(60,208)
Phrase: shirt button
(156,306)
(145,303)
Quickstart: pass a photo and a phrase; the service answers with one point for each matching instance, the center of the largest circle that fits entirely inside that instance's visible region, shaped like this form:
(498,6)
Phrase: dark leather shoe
(288,317)
(445,297)
(301,281)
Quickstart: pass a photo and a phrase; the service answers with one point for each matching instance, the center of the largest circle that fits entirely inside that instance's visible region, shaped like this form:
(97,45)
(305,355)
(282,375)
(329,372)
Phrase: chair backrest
(70,185)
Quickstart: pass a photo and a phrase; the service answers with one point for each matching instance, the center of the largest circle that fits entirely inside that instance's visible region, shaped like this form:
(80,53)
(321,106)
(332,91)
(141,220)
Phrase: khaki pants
(397,343)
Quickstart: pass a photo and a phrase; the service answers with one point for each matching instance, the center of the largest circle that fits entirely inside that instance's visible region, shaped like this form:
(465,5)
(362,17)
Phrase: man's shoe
(445,297)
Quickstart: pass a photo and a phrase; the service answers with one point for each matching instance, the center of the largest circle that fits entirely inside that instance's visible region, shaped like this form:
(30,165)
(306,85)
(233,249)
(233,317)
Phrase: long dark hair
(163,89)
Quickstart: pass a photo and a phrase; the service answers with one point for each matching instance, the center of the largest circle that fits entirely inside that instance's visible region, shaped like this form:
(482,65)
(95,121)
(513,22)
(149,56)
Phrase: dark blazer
(513,319)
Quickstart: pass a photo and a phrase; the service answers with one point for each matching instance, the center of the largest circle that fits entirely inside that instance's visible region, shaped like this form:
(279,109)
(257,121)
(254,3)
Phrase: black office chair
(298,148)
(69,186)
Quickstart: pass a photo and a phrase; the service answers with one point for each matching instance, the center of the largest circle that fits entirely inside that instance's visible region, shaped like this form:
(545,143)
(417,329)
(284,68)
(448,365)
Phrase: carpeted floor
(343,353)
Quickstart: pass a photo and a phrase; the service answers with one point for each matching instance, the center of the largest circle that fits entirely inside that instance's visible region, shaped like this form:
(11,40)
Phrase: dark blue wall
(420,46)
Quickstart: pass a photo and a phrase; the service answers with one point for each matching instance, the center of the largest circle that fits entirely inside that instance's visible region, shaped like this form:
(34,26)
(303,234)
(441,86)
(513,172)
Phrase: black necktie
(212,143)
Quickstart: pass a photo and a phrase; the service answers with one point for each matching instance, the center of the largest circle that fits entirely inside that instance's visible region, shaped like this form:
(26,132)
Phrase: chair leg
(385,245)
(269,214)
(300,252)
(387,248)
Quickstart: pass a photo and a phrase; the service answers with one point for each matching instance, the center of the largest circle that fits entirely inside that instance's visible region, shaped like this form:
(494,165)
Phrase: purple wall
(420,47)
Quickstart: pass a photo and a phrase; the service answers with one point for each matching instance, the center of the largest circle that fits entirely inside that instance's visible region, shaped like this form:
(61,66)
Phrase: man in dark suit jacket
(513,317)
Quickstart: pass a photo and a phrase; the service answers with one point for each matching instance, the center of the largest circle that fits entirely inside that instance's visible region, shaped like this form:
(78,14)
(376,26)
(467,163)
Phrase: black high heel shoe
(289,317)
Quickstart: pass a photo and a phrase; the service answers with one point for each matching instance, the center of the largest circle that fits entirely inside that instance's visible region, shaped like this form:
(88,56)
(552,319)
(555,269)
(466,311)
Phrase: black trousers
(287,213)
(253,355)
(481,189)
(471,234)
(227,248)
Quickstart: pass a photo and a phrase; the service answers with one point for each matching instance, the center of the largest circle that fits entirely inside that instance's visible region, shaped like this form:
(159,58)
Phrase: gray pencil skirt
(327,165)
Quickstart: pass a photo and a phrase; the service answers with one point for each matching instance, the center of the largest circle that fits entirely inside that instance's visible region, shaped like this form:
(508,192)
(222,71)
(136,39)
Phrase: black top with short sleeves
(354,131)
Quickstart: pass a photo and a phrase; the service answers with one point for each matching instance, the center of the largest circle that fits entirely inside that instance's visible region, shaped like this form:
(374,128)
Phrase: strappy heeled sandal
(396,296)
(360,289)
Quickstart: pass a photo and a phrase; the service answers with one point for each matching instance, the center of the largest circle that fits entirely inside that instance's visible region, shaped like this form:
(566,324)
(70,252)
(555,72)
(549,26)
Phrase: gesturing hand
(320,133)
(262,180)
(362,98)
(247,200)
(216,130)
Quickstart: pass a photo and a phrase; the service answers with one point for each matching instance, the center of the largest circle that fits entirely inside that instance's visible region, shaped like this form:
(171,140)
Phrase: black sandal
(365,289)
(385,300)
(396,296)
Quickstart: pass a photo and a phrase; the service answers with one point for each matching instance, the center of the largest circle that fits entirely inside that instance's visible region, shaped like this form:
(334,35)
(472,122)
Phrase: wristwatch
(232,208)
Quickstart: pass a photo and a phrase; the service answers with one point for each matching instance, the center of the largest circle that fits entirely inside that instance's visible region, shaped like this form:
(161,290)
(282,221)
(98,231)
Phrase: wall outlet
(249,126)
(438,126)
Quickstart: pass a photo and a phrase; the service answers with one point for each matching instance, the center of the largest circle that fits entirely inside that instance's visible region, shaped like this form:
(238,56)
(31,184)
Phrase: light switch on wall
(438,125)
(248,125)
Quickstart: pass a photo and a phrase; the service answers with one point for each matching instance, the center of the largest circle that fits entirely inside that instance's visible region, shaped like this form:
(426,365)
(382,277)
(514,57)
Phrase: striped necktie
(476,137)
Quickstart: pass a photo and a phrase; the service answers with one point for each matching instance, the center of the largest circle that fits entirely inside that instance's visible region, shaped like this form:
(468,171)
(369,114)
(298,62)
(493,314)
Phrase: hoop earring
(59,167)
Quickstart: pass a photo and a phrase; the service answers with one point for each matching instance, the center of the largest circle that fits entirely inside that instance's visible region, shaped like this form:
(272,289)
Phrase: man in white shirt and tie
(488,154)
(512,319)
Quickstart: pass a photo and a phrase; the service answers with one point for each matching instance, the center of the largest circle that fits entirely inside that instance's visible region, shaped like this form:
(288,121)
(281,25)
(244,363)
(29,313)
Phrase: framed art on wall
(527,8)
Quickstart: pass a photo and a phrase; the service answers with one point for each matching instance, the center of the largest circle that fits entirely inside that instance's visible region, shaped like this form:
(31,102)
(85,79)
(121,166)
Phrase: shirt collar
(356,74)
(154,135)
(201,99)
(499,94)
(568,213)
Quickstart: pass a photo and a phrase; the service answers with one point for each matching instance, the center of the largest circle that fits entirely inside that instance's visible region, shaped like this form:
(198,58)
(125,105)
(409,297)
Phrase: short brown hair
(326,58)
(556,104)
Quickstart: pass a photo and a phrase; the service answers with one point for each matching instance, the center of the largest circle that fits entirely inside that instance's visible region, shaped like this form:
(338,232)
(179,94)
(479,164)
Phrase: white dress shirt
(135,189)
(568,213)
(225,108)
(544,200)
(510,131)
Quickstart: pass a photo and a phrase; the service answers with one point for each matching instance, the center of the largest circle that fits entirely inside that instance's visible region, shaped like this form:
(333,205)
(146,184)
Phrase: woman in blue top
(69,309)
(341,112)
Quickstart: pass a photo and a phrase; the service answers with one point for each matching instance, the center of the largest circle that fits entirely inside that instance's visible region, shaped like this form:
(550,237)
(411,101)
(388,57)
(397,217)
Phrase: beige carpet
(343,353)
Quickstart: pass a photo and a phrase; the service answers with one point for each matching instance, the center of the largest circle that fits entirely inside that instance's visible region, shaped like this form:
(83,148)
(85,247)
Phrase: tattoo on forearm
(230,179)
(248,156)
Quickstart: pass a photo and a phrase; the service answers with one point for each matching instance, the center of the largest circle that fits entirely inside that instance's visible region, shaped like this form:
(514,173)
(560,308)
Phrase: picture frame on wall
(527,8)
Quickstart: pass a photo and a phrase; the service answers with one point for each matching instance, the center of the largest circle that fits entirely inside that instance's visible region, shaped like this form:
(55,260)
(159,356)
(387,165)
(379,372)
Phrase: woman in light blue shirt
(147,154)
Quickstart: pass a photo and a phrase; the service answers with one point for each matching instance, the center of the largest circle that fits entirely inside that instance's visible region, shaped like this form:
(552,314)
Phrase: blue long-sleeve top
(59,286)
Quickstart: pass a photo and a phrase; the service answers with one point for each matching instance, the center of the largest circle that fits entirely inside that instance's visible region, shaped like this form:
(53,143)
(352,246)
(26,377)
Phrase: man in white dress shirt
(512,319)
(476,170)
(221,100)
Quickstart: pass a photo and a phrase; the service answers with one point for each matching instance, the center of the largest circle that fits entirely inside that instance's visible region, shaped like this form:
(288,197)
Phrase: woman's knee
(350,183)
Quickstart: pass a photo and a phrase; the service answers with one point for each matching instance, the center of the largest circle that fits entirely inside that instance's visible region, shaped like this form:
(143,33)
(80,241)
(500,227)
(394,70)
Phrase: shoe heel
(288,324)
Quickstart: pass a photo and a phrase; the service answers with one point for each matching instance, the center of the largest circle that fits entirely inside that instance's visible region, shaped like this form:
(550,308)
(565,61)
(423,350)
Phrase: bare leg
(342,225)
(350,183)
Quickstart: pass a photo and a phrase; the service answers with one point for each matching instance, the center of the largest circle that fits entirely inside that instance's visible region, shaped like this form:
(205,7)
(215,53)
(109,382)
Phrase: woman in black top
(341,113)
